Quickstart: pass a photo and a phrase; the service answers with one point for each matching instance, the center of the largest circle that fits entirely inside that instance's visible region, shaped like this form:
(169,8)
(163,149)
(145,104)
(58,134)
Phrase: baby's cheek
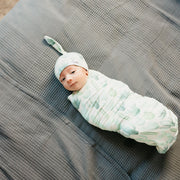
(63,84)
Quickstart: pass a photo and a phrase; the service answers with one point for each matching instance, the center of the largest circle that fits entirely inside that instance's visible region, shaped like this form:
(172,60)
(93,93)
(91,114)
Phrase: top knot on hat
(66,59)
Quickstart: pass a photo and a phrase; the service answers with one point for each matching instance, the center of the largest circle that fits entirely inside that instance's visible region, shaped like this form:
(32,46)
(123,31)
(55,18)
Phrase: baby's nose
(69,79)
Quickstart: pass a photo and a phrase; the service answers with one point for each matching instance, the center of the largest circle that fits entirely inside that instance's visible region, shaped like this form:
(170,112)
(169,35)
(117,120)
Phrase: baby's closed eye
(72,72)
(62,79)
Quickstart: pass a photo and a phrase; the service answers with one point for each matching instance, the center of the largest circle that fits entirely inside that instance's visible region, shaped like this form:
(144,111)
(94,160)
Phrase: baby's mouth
(73,84)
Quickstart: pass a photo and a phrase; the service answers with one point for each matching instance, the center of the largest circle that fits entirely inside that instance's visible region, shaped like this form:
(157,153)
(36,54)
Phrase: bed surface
(41,135)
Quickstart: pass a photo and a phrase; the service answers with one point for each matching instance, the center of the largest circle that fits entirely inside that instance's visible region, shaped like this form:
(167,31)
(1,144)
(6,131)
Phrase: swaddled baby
(111,105)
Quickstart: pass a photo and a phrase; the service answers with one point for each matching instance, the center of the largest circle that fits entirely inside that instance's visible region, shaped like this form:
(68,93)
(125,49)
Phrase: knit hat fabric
(66,59)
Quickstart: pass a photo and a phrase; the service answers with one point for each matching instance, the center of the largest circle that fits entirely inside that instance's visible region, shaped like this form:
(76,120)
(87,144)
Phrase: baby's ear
(54,44)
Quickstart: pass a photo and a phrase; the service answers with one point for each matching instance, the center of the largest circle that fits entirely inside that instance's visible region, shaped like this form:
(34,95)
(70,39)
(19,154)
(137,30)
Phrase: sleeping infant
(111,105)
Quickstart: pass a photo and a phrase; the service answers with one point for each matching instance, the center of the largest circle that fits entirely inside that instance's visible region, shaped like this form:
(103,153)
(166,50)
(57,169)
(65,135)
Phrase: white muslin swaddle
(111,105)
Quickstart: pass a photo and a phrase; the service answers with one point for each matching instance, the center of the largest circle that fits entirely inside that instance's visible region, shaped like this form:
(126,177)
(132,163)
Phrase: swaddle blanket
(111,105)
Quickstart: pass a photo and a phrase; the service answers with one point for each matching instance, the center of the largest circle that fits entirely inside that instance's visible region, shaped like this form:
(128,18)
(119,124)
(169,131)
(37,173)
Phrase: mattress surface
(41,135)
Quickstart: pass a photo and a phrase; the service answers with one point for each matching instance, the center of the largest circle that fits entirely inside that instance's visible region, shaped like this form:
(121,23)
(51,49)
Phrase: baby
(111,105)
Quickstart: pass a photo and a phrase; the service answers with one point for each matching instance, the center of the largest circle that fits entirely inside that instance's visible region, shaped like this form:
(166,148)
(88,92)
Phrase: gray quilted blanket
(42,136)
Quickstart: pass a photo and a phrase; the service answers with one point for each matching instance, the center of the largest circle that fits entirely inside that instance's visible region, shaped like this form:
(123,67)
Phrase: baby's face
(73,78)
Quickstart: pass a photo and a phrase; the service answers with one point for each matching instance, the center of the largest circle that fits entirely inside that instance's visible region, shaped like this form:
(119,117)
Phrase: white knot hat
(66,59)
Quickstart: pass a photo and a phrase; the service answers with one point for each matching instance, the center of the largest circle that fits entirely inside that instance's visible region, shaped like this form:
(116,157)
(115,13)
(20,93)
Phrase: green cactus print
(76,104)
(111,105)
(54,44)
(121,107)
(96,105)
(128,130)
(134,111)
(163,114)
(124,95)
(51,42)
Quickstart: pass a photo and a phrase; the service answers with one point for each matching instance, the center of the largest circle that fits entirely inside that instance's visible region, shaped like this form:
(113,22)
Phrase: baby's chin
(75,88)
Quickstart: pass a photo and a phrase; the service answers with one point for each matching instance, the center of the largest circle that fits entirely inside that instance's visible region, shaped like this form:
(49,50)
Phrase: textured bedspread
(42,136)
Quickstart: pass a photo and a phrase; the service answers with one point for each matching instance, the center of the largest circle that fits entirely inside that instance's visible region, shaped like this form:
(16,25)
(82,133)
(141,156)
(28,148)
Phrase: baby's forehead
(70,67)
(67,69)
